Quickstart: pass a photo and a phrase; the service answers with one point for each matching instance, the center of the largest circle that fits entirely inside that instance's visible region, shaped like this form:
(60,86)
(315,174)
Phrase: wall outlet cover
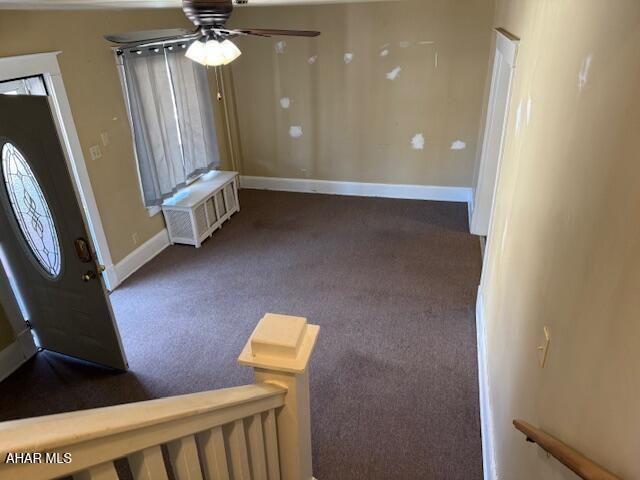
(95,152)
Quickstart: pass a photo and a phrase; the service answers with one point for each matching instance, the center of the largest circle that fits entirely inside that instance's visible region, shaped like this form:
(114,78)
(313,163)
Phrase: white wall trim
(492,147)
(16,353)
(386,190)
(486,412)
(11,358)
(23,347)
(470,206)
(144,253)
(46,64)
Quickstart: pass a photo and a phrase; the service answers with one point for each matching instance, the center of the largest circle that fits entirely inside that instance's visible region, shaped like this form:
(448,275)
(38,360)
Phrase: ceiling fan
(210,41)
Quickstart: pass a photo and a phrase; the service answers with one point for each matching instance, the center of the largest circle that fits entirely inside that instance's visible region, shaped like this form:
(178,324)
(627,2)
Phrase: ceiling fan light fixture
(213,53)
(230,51)
(196,52)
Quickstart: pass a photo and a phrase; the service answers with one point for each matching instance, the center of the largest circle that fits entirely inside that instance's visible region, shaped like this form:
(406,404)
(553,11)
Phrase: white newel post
(279,350)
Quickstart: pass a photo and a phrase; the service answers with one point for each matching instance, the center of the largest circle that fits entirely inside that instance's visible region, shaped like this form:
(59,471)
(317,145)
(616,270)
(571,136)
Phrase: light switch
(544,348)
(95,152)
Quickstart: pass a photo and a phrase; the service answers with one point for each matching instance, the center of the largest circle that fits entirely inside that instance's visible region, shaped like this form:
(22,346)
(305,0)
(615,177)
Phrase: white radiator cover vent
(196,211)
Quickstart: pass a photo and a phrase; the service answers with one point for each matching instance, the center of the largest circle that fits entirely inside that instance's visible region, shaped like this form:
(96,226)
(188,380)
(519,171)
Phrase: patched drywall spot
(384,53)
(114,119)
(436,60)
(393,74)
(458,145)
(426,42)
(280,46)
(418,141)
(519,118)
(583,75)
(285,102)
(385,46)
(295,131)
(348,58)
(529,109)
(312,60)
(404,44)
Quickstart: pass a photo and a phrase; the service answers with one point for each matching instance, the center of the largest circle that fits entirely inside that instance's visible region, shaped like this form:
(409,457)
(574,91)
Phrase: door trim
(23,347)
(46,64)
(14,355)
(506,49)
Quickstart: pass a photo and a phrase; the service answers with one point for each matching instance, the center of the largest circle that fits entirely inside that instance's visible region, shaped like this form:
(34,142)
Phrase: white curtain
(172,119)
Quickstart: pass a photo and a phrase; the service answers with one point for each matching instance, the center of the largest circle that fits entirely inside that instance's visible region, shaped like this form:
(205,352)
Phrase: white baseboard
(486,415)
(118,273)
(331,187)
(15,354)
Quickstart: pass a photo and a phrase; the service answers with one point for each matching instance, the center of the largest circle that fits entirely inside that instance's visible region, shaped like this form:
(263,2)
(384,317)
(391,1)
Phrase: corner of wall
(486,414)
(114,275)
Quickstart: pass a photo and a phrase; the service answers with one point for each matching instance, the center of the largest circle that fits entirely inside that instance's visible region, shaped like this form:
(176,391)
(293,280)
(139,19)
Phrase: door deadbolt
(82,250)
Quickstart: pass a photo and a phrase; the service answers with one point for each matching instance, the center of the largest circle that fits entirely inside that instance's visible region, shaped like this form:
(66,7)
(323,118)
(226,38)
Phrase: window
(31,209)
(24,86)
(171,117)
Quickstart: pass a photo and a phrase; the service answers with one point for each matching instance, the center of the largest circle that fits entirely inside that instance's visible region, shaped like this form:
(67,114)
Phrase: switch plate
(95,152)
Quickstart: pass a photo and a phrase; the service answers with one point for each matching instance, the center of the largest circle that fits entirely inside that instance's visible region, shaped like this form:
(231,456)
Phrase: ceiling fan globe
(213,52)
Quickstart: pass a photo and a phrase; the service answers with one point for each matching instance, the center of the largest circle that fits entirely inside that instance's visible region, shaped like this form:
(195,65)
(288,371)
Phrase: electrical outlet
(104,136)
(95,152)
(134,238)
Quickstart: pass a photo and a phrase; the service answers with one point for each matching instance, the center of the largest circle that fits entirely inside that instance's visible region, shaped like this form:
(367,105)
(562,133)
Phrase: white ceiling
(120,4)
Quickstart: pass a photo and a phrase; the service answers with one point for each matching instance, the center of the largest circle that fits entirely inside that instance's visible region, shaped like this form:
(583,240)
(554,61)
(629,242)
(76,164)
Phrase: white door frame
(46,64)
(506,51)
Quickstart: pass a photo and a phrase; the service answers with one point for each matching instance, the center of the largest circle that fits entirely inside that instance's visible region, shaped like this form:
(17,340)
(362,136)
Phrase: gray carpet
(391,283)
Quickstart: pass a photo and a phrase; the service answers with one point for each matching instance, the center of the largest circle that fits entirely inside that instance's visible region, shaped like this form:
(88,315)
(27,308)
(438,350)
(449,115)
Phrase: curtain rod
(165,44)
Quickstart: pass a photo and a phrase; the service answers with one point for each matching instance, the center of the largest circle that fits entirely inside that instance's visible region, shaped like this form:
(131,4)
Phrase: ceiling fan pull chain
(217,72)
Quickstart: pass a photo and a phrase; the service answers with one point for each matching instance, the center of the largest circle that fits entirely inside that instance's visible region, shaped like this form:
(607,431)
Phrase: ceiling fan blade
(148,35)
(265,32)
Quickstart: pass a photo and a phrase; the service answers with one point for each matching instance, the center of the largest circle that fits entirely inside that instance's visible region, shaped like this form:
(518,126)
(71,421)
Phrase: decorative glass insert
(31,210)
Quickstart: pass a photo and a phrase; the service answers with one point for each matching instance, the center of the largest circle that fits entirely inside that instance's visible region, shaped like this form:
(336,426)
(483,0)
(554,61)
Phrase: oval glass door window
(31,209)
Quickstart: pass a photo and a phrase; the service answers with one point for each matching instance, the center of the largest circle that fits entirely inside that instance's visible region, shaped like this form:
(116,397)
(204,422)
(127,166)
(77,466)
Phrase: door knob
(89,275)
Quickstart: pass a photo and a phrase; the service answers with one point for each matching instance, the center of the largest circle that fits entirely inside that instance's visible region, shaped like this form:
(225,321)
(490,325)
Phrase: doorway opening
(49,268)
(39,74)
(22,86)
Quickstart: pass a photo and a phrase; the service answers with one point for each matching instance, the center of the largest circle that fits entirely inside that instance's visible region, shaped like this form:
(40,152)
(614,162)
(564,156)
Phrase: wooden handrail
(572,459)
(64,429)
(92,439)
(253,431)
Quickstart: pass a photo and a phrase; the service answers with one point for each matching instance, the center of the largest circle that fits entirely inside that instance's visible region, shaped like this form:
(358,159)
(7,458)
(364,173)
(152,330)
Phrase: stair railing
(252,432)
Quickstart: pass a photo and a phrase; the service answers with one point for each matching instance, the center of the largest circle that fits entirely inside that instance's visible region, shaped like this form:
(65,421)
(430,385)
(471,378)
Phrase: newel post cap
(280,342)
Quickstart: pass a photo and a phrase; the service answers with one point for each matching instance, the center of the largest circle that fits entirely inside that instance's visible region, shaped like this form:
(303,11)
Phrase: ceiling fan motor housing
(204,13)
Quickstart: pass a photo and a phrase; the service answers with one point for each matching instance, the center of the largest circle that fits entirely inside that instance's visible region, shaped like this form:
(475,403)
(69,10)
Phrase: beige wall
(564,250)
(93,87)
(357,124)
